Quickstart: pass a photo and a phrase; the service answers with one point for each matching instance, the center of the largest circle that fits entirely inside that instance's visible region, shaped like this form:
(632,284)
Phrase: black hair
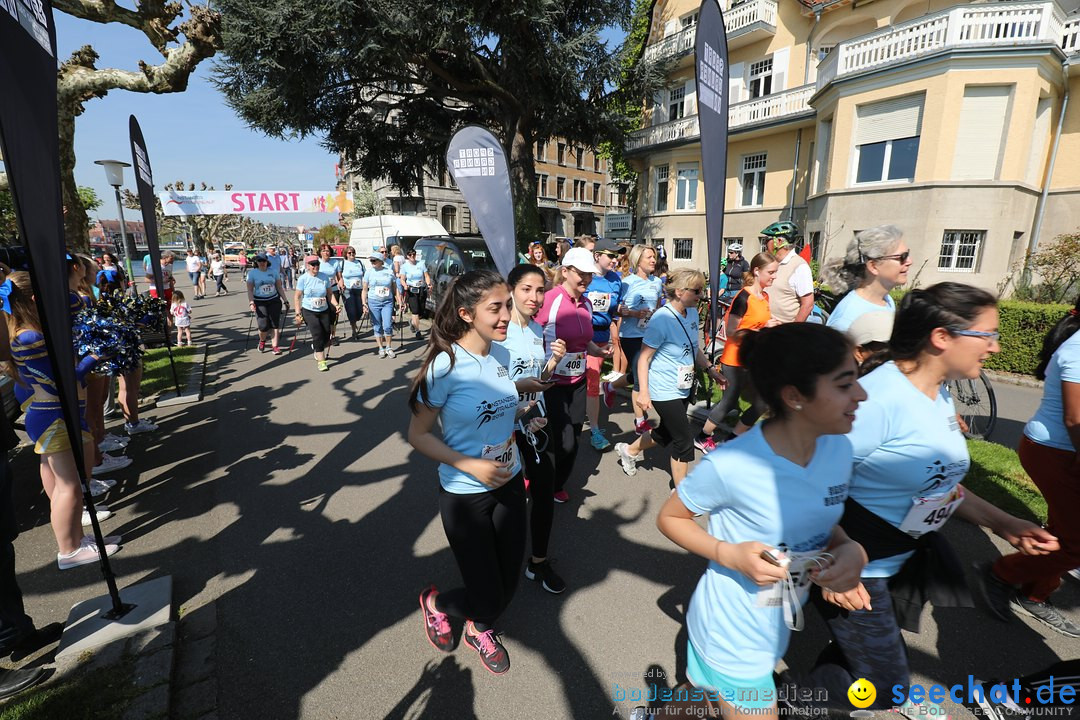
(520,271)
(1065,328)
(792,354)
(447,327)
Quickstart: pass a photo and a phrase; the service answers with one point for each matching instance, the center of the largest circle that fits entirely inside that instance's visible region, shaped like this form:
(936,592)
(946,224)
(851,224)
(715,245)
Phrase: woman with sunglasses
(666,369)
(330,270)
(415,281)
(352,277)
(606,293)
(909,459)
(264,298)
(875,262)
(314,298)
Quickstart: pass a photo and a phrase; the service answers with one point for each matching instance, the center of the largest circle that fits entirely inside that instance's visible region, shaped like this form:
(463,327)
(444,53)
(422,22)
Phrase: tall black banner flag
(477,161)
(711,55)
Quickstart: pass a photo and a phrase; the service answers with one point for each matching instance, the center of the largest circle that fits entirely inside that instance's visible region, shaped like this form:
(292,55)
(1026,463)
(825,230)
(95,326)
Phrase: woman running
(314,298)
(567,315)
(875,262)
(773,498)
(531,373)
(606,297)
(1048,452)
(352,275)
(464,383)
(749,312)
(265,294)
(330,270)
(910,457)
(416,282)
(642,298)
(380,289)
(666,370)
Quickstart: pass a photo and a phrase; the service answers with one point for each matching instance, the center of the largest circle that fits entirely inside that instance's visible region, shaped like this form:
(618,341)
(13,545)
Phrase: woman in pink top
(567,316)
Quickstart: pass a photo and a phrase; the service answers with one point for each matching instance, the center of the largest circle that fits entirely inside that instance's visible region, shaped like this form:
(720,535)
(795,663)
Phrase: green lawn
(157,377)
(996,476)
(101,694)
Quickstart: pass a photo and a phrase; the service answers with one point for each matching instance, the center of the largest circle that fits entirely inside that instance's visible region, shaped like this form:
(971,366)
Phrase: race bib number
(266,290)
(381,292)
(355,283)
(799,569)
(685,377)
(571,365)
(643,323)
(318,303)
(601,301)
(930,512)
(504,452)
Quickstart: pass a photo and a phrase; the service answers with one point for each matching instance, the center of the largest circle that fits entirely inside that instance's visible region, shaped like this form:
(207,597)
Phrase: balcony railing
(1001,24)
(736,21)
(777,106)
(672,45)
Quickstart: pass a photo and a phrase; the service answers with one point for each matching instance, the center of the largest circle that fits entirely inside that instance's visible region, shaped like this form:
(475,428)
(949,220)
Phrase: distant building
(109,230)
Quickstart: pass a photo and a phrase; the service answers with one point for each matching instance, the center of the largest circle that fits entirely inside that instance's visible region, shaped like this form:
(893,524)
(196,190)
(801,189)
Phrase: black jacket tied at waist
(933,573)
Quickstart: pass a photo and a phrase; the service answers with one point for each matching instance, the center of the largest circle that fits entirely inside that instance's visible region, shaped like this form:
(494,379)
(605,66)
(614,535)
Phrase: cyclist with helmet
(792,296)
(735,268)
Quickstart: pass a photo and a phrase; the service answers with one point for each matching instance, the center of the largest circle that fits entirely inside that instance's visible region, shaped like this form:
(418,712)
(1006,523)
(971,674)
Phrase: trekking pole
(247,338)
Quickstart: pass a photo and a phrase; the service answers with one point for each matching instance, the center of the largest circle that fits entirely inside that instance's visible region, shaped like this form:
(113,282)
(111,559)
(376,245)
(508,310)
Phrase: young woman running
(1048,452)
(666,371)
(768,539)
(606,297)
(464,383)
(416,283)
(749,312)
(531,373)
(642,298)
(875,262)
(567,315)
(380,289)
(352,275)
(910,457)
(265,294)
(314,298)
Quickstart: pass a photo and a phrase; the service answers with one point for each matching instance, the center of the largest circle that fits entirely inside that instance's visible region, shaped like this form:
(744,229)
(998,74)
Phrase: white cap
(873,326)
(580,258)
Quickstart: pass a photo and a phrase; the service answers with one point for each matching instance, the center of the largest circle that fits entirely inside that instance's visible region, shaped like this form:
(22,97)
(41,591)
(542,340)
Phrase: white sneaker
(382,352)
(98,488)
(103,514)
(626,460)
(390,353)
(107,482)
(612,376)
(117,438)
(1074,573)
(110,463)
(86,554)
(143,426)
(106,446)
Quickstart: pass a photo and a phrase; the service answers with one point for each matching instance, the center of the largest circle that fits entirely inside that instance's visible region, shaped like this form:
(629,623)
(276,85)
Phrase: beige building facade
(941,117)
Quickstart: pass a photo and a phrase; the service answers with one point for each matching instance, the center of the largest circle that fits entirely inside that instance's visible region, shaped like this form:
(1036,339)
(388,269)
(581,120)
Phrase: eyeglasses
(989,336)
(609,254)
(900,257)
(697,290)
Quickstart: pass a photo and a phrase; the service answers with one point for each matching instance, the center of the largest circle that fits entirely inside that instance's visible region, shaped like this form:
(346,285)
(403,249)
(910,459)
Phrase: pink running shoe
(436,624)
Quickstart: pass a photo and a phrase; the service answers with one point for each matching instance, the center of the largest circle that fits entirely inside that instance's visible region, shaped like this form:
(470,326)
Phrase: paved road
(291,499)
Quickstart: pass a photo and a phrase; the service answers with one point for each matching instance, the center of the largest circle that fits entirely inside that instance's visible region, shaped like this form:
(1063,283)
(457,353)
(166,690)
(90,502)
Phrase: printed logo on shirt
(502,372)
(940,475)
(488,411)
(837,495)
(522,366)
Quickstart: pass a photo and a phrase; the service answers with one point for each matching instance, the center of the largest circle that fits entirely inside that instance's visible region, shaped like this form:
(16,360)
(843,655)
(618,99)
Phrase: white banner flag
(240,202)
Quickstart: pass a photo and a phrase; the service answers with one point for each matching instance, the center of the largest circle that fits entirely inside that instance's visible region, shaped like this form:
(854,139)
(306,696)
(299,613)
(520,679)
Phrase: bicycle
(976,405)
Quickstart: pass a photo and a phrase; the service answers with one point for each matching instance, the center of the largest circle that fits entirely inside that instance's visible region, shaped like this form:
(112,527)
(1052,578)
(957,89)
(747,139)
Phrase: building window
(579,191)
(596,193)
(562,154)
(541,185)
(676,106)
(760,81)
(541,148)
(686,187)
(595,163)
(449,218)
(683,248)
(729,241)
(752,180)
(888,160)
(815,245)
(560,187)
(887,139)
(661,188)
(688,20)
(581,158)
(960,250)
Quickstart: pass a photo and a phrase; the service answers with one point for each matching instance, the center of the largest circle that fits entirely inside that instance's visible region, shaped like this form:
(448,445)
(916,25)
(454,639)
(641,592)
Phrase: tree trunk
(523,183)
(76,222)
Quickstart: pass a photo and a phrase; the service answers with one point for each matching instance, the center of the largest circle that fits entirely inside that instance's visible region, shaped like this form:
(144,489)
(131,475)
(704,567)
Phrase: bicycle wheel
(976,405)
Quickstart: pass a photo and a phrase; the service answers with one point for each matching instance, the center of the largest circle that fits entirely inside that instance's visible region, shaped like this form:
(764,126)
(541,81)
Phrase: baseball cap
(311,260)
(581,259)
(261,257)
(377,256)
(873,326)
(608,246)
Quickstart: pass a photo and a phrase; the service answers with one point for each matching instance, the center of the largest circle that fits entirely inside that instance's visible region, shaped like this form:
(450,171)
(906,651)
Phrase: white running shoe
(86,554)
(103,514)
(110,463)
(143,426)
(612,376)
(626,460)
(106,446)
(382,352)
(390,352)
(98,488)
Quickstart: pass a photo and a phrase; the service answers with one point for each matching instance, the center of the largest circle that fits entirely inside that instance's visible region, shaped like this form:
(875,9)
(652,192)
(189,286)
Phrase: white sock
(639,420)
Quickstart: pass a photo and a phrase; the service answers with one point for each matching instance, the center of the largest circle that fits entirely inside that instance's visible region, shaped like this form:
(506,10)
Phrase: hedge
(1023,325)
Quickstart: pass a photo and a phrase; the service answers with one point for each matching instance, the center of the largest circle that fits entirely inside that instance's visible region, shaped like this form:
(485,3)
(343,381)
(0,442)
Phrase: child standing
(181,313)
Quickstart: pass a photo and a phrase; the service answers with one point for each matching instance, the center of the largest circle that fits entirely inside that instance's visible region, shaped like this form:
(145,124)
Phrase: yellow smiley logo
(862,693)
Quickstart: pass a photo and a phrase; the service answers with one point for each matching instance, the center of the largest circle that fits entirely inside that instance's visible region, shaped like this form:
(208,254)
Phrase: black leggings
(354,306)
(738,379)
(566,416)
(674,432)
(319,325)
(486,532)
(541,474)
(268,314)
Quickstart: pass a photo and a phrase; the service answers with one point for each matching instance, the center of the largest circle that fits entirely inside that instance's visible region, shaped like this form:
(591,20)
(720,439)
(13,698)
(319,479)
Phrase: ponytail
(1065,329)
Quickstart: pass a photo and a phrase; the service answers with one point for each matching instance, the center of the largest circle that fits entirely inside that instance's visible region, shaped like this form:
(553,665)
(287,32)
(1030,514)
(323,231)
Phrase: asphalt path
(290,499)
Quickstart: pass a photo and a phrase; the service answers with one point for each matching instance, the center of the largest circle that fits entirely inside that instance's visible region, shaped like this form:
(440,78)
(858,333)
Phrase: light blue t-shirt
(906,446)
(312,290)
(527,359)
(478,402)
(264,283)
(352,272)
(674,337)
(852,306)
(1047,426)
(414,274)
(641,294)
(274,263)
(605,295)
(380,284)
(751,493)
(329,269)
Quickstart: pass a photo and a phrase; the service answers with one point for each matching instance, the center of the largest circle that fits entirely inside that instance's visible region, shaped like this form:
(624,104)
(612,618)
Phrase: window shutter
(690,102)
(1037,159)
(671,27)
(659,108)
(735,82)
(979,136)
(889,119)
(780,60)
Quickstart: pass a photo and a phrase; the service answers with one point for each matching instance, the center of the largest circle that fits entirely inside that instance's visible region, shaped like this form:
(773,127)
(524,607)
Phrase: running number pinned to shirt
(571,365)
(929,512)
(381,292)
(685,377)
(601,301)
(355,283)
(318,303)
(266,290)
(643,322)
(503,453)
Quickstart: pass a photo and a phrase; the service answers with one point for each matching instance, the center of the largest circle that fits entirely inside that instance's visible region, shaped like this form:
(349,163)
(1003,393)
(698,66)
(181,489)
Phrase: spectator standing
(792,297)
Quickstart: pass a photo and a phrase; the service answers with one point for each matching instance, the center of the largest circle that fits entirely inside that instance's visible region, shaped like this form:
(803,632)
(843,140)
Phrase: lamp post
(114,175)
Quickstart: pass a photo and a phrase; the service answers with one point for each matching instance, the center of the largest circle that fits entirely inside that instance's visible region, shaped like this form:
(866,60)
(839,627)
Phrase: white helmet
(734,247)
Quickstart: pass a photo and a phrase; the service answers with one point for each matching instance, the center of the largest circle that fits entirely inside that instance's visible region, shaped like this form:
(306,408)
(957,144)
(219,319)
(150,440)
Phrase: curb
(1014,379)
(193,385)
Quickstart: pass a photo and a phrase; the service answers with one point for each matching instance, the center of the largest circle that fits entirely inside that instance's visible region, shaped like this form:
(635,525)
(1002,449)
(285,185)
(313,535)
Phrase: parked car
(447,256)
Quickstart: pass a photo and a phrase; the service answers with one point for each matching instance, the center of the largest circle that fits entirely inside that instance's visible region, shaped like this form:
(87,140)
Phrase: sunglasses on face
(696,290)
(988,336)
(899,257)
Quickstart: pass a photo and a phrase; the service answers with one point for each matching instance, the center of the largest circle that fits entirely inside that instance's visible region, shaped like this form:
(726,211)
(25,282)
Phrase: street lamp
(114,175)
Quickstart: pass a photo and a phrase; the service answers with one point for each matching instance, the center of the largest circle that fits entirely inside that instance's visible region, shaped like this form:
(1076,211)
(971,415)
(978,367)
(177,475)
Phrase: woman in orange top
(749,311)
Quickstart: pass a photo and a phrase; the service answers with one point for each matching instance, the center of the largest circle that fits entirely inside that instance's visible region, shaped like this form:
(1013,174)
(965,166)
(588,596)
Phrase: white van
(386,230)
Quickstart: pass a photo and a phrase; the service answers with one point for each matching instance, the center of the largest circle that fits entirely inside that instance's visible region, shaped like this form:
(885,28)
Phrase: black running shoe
(543,572)
(436,624)
(487,645)
(1047,614)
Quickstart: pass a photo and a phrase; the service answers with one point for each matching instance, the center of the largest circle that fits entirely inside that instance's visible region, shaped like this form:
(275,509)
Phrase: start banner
(240,202)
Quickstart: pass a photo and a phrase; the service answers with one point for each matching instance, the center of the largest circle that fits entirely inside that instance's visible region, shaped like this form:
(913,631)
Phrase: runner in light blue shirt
(352,277)
(380,287)
(415,284)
